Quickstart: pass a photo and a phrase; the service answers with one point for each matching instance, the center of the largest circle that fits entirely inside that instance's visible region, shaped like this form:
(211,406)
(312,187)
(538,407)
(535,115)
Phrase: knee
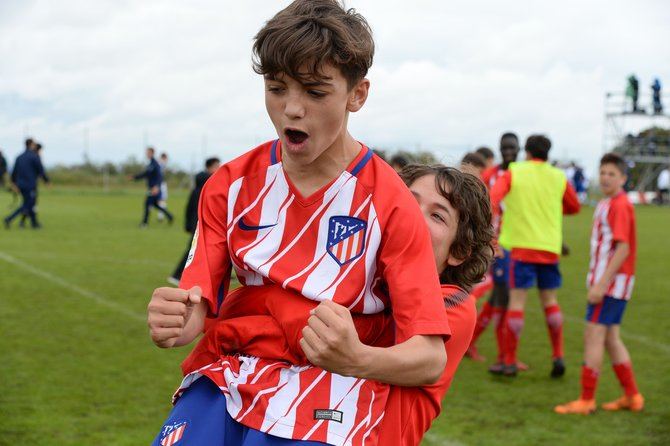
(515,325)
(555,320)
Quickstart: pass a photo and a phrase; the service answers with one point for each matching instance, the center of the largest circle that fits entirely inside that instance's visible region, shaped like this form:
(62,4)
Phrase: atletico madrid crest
(173,432)
(346,238)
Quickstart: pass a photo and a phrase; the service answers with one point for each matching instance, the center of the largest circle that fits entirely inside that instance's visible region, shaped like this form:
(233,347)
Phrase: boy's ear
(358,95)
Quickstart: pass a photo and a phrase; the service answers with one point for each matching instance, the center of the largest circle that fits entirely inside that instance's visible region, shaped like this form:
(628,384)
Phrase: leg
(513,327)
(147,205)
(554,319)
(623,368)
(25,204)
(549,281)
(594,346)
(167,213)
(199,417)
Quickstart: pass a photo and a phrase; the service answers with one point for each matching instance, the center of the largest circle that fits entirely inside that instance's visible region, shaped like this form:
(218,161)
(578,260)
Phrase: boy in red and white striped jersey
(316,213)
(610,283)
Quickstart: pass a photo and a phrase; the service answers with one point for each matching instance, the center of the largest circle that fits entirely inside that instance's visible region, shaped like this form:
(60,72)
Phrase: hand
(330,340)
(130,177)
(596,294)
(168,312)
(155,190)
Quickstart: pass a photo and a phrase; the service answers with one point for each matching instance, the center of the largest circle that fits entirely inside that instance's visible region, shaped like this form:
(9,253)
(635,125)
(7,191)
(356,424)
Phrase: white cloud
(448,76)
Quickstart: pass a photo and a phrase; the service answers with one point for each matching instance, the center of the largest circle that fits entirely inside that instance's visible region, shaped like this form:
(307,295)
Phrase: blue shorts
(608,312)
(500,268)
(524,275)
(200,418)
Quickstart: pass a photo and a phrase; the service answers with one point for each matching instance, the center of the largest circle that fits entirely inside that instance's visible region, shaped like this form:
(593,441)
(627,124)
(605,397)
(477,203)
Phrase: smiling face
(441,218)
(311,116)
(611,179)
(509,149)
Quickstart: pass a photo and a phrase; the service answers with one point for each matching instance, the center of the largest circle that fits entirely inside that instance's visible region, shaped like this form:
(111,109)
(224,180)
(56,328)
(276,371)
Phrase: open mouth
(296,136)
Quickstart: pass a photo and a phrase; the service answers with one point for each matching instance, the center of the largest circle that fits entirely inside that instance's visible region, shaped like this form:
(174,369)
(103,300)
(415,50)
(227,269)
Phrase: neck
(615,193)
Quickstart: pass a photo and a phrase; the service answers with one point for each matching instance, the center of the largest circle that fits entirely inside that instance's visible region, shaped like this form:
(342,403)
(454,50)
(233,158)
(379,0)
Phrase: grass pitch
(78,367)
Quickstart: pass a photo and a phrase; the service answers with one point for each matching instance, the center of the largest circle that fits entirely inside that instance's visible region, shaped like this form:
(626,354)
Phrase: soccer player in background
(488,155)
(398,162)
(154,178)
(536,196)
(3,169)
(191,214)
(495,309)
(316,212)
(473,163)
(610,285)
(27,170)
(163,162)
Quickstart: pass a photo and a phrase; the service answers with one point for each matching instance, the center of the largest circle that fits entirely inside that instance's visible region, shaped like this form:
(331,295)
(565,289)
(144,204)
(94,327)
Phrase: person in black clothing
(154,177)
(192,214)
(3,170)
(27,170)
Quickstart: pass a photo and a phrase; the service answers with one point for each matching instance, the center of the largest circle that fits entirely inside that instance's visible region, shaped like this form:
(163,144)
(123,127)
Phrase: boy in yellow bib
(536,196)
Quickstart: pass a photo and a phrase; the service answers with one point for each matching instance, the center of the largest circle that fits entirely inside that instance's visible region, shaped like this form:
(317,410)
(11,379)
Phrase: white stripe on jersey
(344,391)
(234,400)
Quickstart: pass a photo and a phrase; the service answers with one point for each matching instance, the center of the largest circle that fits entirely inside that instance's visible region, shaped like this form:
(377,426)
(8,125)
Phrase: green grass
(78,367)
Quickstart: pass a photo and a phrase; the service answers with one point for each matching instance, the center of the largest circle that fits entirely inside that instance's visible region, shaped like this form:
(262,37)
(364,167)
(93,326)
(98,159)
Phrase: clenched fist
(169,313)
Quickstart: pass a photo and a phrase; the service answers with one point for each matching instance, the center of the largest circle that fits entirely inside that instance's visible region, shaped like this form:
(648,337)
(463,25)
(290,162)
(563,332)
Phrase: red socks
(500,321)
(513,327)
(554,319)
(589,383)
(483,320)
(624,372)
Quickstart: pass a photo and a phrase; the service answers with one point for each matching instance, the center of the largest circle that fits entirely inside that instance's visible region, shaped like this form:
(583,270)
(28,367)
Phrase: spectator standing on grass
(663,185)
(3,169)
(27,170)
(163,161)
(211,165)
(24,216)
(154,178)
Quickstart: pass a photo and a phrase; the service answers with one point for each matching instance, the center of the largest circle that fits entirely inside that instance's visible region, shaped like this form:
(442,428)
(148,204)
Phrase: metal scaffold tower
(641,136)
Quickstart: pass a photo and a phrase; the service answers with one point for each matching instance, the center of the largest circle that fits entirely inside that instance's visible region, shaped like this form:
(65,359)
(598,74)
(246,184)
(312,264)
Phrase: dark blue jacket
(152,173)
(27,170)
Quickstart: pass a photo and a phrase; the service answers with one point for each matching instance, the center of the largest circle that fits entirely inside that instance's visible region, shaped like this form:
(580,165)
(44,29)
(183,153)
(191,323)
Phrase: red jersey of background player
(360,241)
(411,410)
(613,221)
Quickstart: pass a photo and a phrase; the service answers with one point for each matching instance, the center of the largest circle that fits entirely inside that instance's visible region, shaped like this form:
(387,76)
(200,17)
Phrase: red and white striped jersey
(360,241)
(613,221)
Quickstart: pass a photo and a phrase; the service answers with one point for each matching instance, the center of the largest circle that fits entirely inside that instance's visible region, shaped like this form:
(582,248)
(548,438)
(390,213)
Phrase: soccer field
(78,367)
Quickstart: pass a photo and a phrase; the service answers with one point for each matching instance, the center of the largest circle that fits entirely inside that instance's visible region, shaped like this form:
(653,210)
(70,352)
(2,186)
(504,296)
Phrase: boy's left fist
(330,339)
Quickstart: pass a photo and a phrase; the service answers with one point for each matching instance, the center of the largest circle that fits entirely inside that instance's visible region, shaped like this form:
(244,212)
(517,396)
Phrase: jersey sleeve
(499,190)
(570,200)
(619,218)
(208,265)
(411,276)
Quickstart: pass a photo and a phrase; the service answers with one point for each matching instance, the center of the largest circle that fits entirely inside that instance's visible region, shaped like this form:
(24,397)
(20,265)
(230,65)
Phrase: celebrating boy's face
(310,117)
(611,179)
(440,216)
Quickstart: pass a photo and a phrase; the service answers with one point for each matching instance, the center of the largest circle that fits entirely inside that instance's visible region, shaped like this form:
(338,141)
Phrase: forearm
(416,362)
(620,254)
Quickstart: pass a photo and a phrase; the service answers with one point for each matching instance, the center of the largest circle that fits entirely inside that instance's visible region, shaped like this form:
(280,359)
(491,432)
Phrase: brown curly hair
(474,237)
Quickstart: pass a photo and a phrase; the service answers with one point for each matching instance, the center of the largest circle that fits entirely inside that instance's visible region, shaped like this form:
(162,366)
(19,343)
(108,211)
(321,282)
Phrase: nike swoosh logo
(245,227)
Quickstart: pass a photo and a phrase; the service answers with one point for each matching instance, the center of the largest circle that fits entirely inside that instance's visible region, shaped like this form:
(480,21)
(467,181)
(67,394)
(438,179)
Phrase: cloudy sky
(447,77)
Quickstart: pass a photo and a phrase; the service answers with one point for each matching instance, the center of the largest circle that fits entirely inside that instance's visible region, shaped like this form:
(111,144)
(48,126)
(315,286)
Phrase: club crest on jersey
(346,238)
(173,432)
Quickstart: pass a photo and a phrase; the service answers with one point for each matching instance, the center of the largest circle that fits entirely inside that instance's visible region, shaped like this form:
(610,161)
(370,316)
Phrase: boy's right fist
(168,313)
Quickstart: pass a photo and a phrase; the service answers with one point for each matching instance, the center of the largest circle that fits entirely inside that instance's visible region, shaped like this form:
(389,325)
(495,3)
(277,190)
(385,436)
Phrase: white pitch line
(97,298)
(665,348)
